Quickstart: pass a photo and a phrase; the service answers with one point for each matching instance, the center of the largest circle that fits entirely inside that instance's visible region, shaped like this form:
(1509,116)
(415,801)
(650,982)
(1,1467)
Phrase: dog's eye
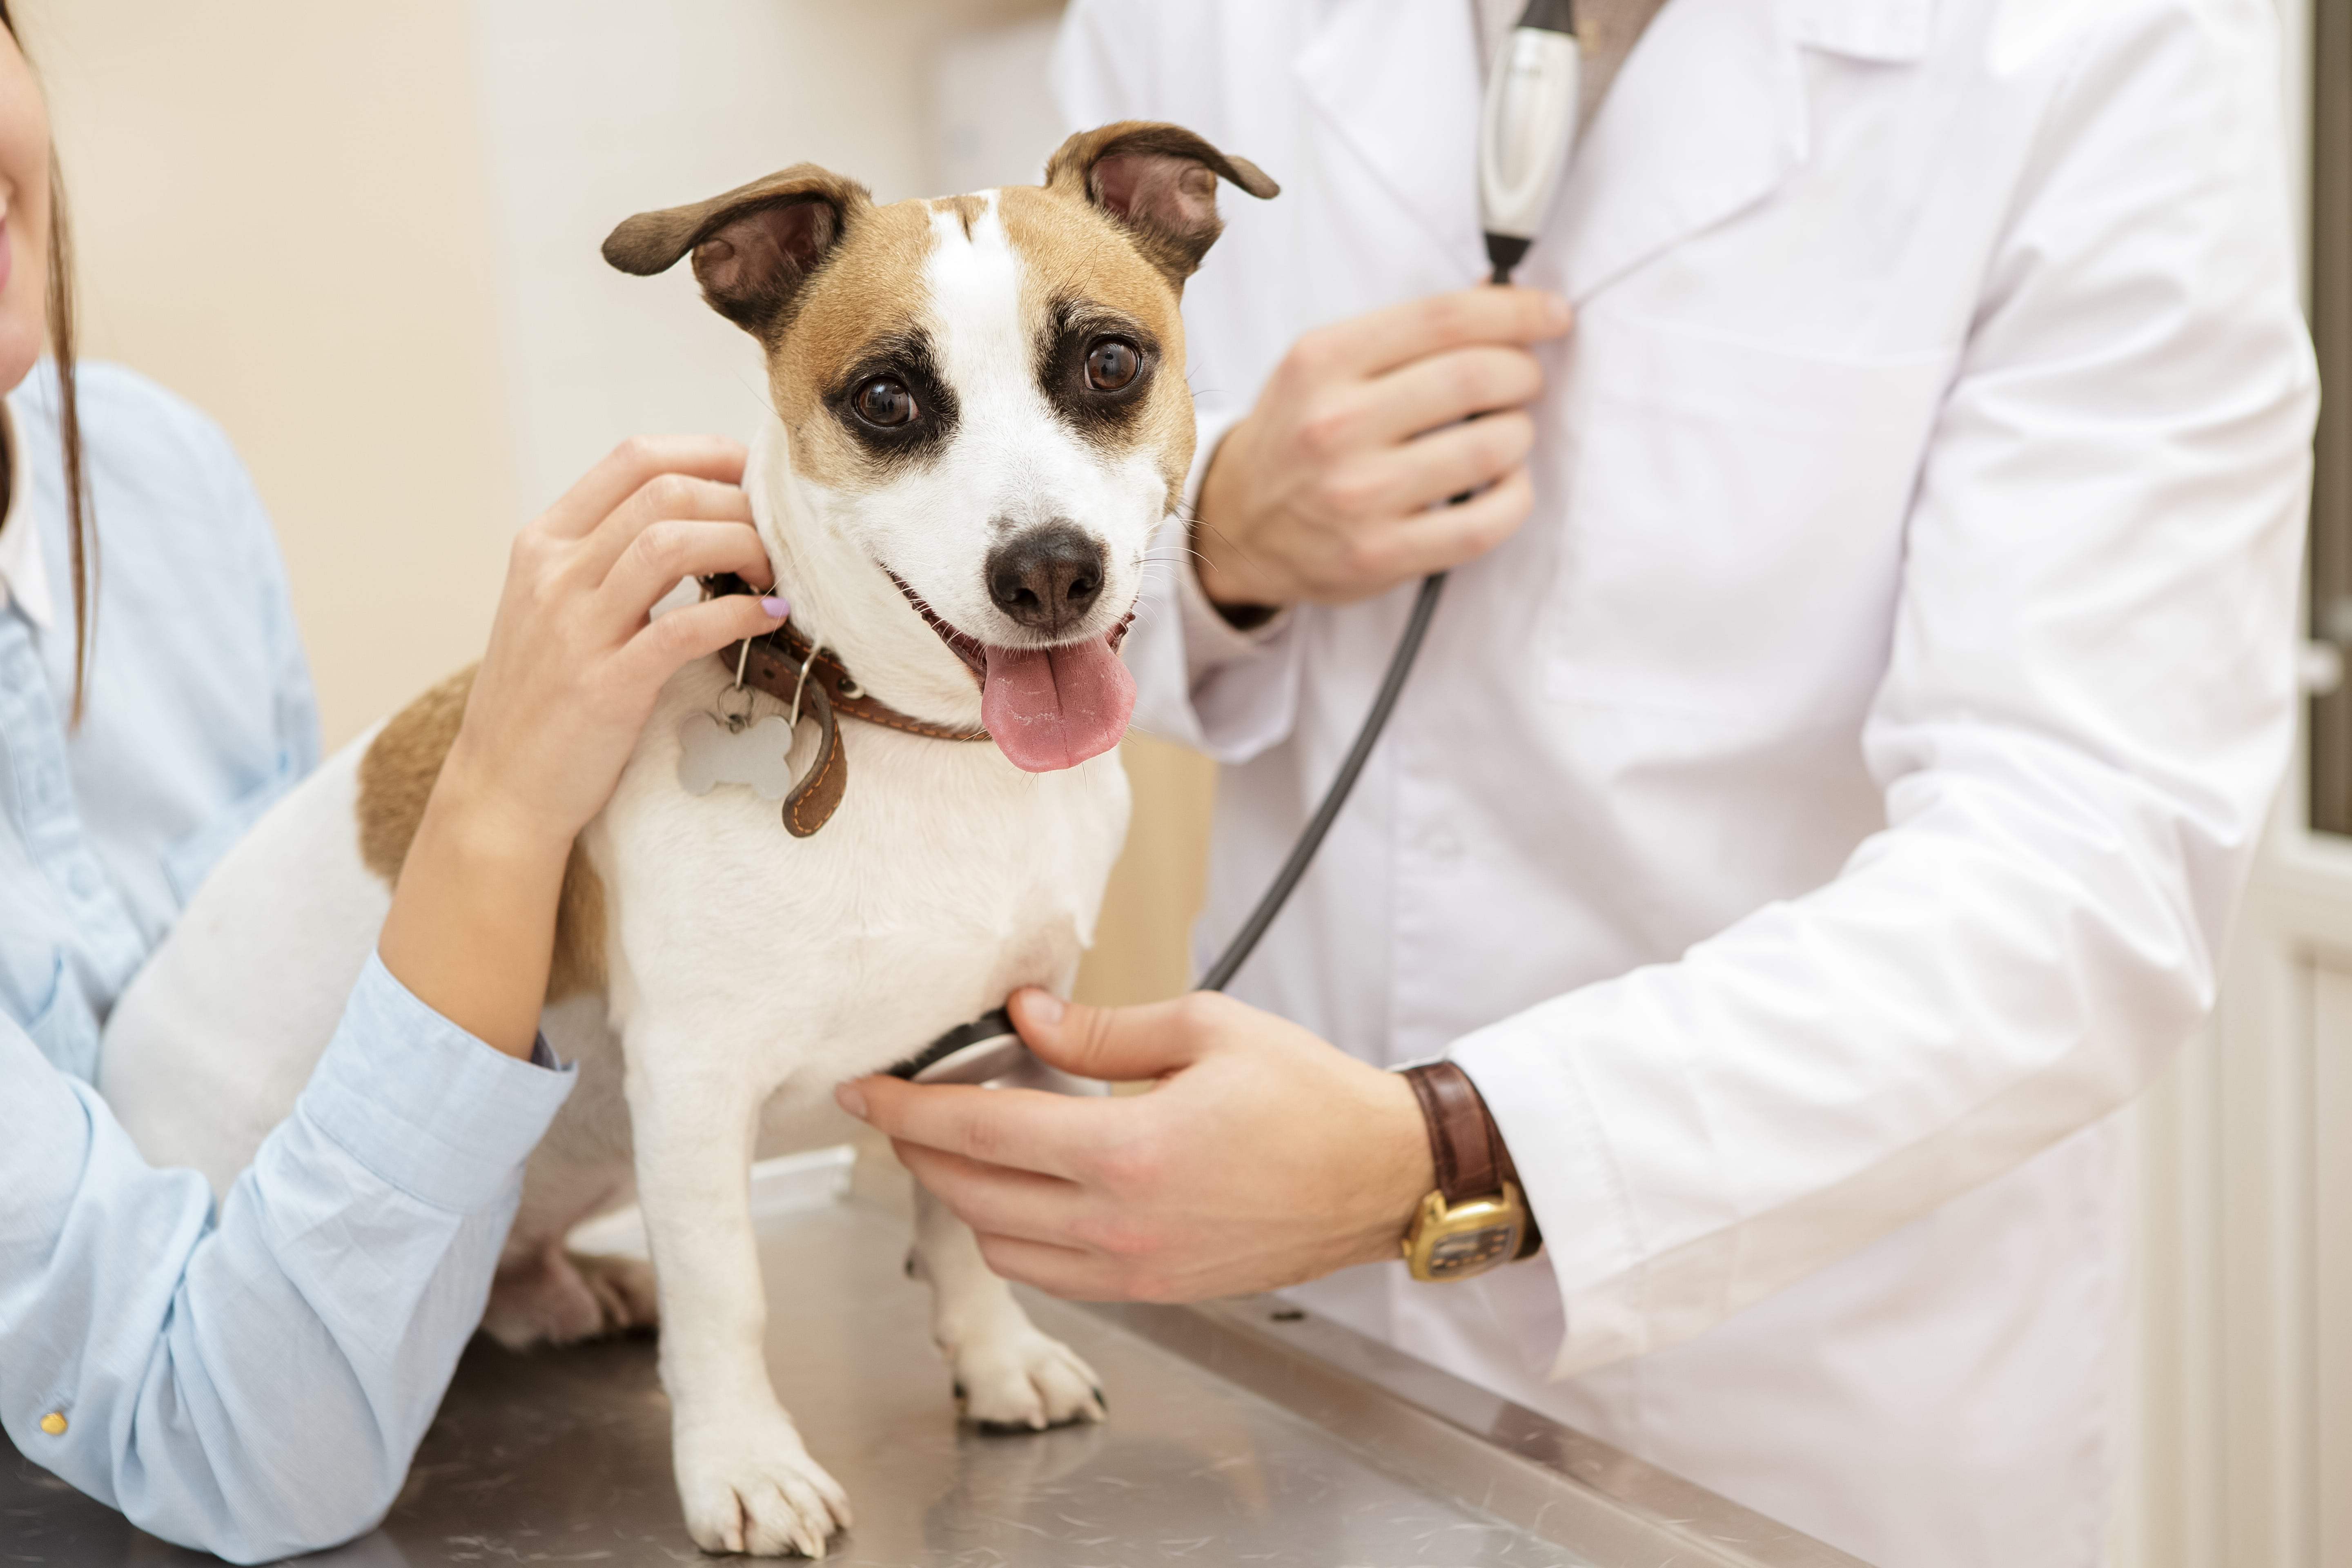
(1111,365)
(884,403)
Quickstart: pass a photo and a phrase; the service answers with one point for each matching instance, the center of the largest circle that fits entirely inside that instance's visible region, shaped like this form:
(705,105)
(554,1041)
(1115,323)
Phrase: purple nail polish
(776,606)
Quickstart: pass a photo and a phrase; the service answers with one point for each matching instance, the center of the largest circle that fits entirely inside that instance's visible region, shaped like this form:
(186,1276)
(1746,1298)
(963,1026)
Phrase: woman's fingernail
(852,1099)
(1047,1007)
(777,607)
(1557,311)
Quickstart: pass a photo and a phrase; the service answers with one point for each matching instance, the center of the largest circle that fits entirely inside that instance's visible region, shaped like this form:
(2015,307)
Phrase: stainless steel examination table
(1240,1432)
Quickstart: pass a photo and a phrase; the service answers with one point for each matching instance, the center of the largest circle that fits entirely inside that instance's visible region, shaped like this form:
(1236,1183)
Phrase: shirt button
(82,880)
(54,1422)
(1444,848)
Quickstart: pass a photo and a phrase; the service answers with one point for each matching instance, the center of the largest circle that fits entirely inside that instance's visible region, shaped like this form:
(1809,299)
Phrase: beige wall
(592,110)
(364,239)
(282,215)
(1141,950)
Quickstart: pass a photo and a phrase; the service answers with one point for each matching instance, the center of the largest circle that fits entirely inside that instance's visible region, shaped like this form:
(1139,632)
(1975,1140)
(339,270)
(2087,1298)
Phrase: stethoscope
(1526,132)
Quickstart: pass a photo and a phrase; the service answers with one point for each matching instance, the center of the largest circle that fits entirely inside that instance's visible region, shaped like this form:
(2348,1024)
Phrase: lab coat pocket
(1733,535)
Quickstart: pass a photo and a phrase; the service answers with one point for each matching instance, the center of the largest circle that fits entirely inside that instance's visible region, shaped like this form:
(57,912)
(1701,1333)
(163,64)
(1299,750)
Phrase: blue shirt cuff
(426,1106)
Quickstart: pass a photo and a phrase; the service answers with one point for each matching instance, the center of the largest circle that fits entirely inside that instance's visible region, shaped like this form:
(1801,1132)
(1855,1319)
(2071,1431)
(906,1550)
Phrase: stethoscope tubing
(1302,854)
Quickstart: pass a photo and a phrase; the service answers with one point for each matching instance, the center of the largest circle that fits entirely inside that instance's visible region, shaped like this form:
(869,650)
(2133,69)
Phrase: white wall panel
(592,110)
(996,122)
(2331,1124)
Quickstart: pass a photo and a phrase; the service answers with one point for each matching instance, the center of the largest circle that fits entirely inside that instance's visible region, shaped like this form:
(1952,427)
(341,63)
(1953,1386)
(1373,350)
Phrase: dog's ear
(1159,182)
(753,247)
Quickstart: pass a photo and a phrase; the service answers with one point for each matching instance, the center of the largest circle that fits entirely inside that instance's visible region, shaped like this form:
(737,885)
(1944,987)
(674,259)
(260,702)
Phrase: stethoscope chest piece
(998,1058)
(988,1053)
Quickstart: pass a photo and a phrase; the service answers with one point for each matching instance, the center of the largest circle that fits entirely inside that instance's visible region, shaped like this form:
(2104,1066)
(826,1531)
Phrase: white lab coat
(1827,811)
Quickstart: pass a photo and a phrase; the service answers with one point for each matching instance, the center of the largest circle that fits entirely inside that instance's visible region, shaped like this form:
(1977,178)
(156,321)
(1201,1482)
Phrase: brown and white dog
(980,422)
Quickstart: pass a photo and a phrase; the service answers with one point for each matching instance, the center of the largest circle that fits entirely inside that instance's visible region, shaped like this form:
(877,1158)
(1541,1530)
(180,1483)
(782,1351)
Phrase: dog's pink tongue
(1053,708)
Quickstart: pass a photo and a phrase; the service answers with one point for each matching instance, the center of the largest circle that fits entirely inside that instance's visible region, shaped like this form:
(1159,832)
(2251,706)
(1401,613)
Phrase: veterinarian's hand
(1325,490)
(1260,1158)
(574,665)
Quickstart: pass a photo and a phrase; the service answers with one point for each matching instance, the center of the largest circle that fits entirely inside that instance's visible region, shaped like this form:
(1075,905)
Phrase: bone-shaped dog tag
(710,752)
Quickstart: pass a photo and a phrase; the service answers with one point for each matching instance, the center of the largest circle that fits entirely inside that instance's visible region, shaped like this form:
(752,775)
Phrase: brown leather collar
(772,664)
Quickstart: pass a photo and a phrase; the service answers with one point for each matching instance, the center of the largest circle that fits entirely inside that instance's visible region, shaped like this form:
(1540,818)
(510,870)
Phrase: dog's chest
(947,878)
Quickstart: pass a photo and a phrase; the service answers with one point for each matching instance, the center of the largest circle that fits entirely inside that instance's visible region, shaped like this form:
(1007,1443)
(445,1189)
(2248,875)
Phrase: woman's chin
(24,307)
(21,345)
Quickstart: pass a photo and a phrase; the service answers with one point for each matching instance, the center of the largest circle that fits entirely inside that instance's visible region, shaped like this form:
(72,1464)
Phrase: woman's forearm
(256,1387)
(574,666)
(472,927)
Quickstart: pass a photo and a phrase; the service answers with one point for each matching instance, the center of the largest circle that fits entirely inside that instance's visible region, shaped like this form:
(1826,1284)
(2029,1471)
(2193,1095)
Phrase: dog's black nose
(1046,578)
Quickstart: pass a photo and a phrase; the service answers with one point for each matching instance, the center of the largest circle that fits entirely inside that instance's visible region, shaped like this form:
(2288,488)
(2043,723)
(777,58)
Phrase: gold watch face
(1456,1241)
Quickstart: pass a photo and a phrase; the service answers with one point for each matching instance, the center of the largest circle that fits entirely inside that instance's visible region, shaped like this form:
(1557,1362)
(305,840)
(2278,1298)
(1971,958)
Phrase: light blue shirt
(252,1382)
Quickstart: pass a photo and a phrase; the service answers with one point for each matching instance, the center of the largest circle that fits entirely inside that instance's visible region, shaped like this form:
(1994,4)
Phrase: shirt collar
(24,578)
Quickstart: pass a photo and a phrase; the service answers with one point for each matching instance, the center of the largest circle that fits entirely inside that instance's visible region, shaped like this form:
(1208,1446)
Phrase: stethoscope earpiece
(1528,129)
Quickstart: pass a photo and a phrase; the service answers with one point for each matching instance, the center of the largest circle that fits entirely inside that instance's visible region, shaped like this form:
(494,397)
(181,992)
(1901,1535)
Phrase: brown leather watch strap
(1464,1142)
(1466,1146)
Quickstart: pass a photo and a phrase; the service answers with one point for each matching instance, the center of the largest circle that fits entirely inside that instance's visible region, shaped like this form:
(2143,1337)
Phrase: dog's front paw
(749,1486)
(1020,1380)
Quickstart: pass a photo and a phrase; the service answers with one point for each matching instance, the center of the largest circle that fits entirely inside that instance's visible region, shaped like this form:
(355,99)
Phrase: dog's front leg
(743,1477)
(1007,1373)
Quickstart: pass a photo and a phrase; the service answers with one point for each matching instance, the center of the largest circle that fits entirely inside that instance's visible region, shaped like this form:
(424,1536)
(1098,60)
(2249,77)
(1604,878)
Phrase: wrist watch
(1477,1218)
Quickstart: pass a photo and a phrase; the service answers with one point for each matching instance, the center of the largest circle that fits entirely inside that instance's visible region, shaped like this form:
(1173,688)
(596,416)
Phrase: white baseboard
(788,1186)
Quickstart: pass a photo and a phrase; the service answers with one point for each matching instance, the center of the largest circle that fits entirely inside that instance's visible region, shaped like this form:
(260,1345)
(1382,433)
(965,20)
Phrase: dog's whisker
(1158,556)
(759,395)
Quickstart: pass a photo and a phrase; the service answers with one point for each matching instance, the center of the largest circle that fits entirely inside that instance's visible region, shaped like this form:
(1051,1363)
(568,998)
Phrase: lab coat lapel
(1398,81)
(1706,117)
(1891,32)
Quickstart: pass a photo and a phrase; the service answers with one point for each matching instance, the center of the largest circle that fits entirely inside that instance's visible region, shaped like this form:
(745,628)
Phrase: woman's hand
(1261,1158)
(575,666)
(1327,489)
(575,663)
